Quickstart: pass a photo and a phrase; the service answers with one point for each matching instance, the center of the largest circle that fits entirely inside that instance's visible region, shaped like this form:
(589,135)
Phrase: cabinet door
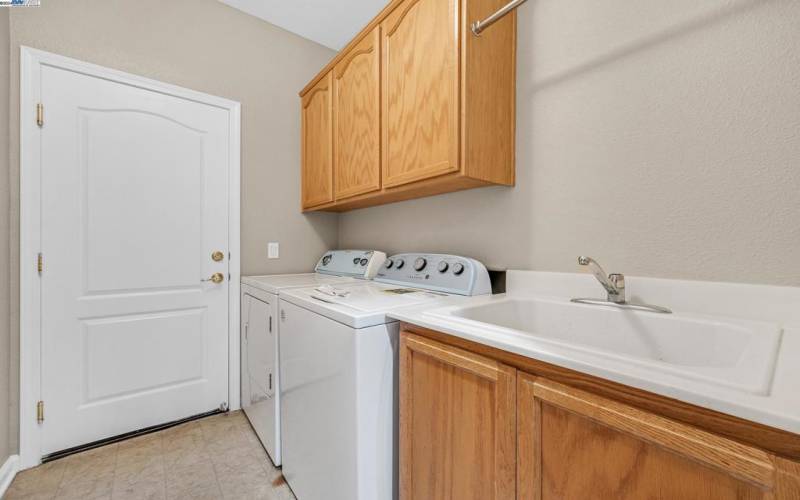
(573,444)
(457,424)
(318,144)
(356,120)
(420,91)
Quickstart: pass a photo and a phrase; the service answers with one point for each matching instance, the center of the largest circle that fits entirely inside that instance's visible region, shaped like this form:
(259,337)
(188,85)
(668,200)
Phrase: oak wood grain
(317,145)
(457,424)
(346,50)
(356,120)
(447,183)
(447,105)
(488,94)
(591,447)
(420,86)
(782,443)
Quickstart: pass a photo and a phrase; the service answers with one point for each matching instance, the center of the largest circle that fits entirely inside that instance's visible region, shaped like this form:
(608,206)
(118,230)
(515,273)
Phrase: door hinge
(39,263)
(40,114)
(40,412)
(270,381)
(270,323)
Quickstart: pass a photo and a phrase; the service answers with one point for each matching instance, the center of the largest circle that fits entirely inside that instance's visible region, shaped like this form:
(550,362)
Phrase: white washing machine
(260,335)
(339,374)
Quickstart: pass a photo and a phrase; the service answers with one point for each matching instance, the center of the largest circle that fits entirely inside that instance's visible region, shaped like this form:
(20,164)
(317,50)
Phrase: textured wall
(662,138)
(5,290)
(206,46)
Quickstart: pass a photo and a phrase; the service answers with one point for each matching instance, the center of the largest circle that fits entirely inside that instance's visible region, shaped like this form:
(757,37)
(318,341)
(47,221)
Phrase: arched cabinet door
(420,101)
(574,444)
(317,144)
(356,120)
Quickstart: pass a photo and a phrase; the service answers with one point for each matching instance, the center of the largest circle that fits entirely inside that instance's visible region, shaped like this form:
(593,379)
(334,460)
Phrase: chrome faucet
(615,287)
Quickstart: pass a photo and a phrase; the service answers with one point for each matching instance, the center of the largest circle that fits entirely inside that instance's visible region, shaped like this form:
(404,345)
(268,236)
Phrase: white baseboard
(7,473)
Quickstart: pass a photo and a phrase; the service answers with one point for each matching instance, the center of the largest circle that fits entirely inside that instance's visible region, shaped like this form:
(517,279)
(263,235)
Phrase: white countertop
(778,407)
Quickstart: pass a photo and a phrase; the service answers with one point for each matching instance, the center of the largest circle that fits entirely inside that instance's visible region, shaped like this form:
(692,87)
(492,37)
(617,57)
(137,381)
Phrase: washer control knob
(400,263)
(364,262)
(458,268)
(443,266)
(356,260)
(389,263)
(326,260)
(420,264)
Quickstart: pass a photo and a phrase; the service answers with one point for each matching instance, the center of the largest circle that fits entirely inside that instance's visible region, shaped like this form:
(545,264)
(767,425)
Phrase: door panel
(317,137)
(457,423)
(116,349)
(121,204)
(420,91)
(573,444)
(356,113)
(134,202)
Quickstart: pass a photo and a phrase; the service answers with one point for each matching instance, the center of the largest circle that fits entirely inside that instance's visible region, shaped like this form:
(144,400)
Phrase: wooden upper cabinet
(356,119)
(420,91)
(457,424)
(420,107)
(573,444)
(317,144)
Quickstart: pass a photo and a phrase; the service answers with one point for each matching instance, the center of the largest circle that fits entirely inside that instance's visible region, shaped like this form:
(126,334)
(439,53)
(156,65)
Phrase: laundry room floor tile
(217,457)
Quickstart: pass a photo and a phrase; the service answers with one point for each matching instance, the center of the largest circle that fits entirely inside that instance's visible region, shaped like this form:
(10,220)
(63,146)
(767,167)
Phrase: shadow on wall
(726,10)
(655,136)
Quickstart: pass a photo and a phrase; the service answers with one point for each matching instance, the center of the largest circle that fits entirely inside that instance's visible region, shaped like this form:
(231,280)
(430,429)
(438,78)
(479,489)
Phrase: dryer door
(259,359)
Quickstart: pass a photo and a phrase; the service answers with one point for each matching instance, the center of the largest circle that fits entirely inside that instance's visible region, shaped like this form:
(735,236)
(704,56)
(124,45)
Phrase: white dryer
(260,335)
(339,374)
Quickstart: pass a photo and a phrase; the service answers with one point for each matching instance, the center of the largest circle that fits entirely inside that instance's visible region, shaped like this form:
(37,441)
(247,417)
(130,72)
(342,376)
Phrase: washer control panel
(353,263)
(438,272)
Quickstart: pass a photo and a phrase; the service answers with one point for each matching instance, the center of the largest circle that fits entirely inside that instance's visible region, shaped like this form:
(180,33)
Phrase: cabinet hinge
(270,381)
(40,114)
(40,412)
(270,323)
(39,263)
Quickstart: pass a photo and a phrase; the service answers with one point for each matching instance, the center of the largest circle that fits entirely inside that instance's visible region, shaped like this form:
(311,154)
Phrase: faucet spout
(615,286)
(613,283)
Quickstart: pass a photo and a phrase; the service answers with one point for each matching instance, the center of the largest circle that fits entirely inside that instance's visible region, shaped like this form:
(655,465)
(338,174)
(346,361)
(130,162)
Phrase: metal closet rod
(479,26)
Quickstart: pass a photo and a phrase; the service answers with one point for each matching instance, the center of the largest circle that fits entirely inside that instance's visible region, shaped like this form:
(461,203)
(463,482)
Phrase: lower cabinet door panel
(457,424)
(575,445)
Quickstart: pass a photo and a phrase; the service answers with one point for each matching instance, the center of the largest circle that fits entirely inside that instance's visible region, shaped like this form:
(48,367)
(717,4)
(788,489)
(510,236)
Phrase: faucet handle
(618,280)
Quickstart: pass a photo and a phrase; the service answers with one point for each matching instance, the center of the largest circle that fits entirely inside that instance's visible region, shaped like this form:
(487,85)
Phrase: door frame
(31,60)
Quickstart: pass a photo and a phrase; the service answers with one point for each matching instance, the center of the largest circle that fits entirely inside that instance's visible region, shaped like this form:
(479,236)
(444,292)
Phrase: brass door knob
(217,256)
(216,278)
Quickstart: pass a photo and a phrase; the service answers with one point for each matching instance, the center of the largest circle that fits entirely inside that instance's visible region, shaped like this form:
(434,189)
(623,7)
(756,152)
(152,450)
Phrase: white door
(134,201)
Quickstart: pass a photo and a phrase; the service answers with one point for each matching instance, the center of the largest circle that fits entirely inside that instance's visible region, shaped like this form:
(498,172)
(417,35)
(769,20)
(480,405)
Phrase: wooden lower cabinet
(461,417)
(573,444)
(457,424)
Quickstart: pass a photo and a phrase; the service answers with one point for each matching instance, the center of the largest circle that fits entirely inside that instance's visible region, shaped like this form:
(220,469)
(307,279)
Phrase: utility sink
(729,352)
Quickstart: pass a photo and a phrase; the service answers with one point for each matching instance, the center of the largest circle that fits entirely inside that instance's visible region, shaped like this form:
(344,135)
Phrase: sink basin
(729,352)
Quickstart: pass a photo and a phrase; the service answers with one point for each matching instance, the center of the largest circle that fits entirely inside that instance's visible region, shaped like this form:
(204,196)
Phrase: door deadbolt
(216,278)
(217,256)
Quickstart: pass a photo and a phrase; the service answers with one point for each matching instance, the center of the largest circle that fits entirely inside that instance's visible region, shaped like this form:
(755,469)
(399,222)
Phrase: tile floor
(217,457)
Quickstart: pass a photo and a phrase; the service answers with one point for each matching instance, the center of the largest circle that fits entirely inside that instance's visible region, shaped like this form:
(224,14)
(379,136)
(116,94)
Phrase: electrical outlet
(273,250)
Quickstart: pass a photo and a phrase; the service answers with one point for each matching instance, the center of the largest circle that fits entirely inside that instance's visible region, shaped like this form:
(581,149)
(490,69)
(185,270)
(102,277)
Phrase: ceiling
(329,22)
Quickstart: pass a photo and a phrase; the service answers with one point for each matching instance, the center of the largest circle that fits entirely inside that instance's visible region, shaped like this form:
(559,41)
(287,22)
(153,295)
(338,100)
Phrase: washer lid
(273,283)
(359,305)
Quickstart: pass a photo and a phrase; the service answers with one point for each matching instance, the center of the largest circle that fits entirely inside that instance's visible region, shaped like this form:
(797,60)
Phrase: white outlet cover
(273,250)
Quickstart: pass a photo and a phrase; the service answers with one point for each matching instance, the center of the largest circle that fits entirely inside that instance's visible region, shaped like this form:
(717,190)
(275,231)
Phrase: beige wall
(5,346)
(662,138)
(206,46)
